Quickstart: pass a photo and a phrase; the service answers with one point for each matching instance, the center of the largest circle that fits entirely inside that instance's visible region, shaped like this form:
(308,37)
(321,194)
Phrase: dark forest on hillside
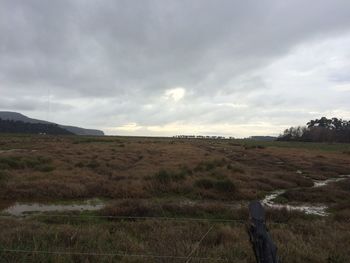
(10,126)
(319,130)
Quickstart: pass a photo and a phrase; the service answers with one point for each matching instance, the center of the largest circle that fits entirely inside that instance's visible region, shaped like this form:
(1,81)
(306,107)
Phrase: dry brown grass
(298,241)
(172,178)
(128,167)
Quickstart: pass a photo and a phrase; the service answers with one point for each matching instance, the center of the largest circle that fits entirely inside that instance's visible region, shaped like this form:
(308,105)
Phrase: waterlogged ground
(311,209)
(30,208)
(153,199)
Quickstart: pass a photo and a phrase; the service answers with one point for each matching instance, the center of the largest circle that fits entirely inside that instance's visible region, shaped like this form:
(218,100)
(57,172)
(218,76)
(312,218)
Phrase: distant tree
(319,130)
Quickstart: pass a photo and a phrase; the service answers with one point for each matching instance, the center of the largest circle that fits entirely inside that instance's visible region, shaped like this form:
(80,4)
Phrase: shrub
(166,177)
(236,168)
(162,176)
(3,177)
(210,165)
(45,168)
(248,147)
(130,208)
(10,163)
(16,162)
(93,164)
(79,165)
(226,186)
(205,183)
(336,258)
(345,185)
(184,171)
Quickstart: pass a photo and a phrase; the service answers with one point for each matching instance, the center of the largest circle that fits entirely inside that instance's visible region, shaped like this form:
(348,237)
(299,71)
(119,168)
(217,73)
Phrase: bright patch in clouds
(129,127)
(342,87)
(175,94)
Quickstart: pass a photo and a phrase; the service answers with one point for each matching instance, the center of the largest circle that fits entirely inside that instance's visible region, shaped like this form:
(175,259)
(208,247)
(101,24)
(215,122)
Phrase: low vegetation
(38,163)
(184,181)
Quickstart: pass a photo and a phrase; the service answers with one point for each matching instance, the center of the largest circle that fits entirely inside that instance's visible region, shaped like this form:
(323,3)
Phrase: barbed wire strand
(131,217)
(197,245)
(194,219)
(105,254)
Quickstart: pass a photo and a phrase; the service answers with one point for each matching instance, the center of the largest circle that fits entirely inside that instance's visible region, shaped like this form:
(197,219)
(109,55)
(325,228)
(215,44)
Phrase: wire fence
(197,245)
(183,258)
(159,218)
(117,254)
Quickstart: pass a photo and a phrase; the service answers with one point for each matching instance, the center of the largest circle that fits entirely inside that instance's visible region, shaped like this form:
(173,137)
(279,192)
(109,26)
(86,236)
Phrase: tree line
(319,130)
(11,126)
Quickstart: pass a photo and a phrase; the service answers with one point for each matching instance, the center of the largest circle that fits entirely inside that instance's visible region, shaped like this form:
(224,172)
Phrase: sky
(168,67)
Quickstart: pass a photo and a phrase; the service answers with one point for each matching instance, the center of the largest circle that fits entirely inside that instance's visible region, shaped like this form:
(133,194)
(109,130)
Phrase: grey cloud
(32,104)
(125,54)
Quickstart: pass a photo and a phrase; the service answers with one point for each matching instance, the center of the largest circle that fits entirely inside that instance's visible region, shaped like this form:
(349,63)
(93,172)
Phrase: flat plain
(169,200)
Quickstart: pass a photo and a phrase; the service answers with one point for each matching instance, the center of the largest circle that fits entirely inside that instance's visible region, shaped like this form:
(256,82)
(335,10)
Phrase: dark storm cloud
(115,60)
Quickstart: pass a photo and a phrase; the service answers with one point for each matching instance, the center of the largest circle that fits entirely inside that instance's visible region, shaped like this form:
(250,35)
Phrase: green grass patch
(225,185)
(165,177)
(38,163)
(205,183)
(281,200)
(93,164)
(94,140)
(236,168)
(3,177)
(222,185)
(337,147)
(71,218)
(210,165)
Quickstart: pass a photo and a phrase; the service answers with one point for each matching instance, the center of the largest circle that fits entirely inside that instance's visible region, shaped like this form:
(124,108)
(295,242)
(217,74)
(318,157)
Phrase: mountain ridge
(16,116)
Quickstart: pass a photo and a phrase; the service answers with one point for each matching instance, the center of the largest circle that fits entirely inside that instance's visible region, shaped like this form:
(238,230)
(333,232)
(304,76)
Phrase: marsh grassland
(161,196)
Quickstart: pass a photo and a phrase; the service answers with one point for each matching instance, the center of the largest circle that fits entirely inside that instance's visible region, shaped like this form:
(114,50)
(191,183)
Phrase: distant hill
(15,116)
(11,126)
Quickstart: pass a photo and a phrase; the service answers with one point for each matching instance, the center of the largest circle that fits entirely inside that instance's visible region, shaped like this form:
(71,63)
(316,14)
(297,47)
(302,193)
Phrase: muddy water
(319,209)
(17,150)
(308,209)
(21,209)
(319,183)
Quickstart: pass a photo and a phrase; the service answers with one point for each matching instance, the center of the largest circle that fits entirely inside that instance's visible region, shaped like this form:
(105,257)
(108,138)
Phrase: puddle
(307,209)
(10,151)
(17,150)
(319,183)
(22,209)
(320,209)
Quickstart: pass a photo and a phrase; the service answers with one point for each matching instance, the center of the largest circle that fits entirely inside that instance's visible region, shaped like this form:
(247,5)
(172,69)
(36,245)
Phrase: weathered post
(264,249)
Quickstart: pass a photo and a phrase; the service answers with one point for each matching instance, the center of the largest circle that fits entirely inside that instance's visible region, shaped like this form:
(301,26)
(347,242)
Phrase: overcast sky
(166,67)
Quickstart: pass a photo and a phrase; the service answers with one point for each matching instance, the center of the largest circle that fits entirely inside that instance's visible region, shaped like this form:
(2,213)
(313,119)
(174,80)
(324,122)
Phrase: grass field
(199,185)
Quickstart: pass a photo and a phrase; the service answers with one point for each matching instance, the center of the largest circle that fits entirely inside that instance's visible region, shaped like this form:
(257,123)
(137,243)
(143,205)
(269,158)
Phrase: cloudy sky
(166,67)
